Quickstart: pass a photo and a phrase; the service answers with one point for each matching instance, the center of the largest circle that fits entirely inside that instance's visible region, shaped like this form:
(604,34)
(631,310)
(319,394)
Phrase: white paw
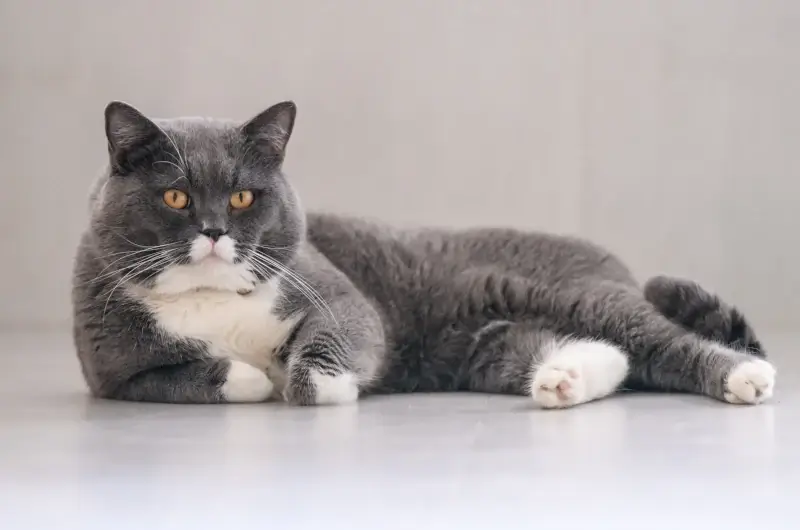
(334,389)
(750,382)
(577,371)
(245,384)
(557,387)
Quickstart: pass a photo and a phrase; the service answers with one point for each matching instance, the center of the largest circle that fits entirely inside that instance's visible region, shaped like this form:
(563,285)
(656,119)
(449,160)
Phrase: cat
(200,279)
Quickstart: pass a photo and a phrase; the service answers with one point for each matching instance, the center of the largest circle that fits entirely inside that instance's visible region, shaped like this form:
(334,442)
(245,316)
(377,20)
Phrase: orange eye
(176,199)
(242,199)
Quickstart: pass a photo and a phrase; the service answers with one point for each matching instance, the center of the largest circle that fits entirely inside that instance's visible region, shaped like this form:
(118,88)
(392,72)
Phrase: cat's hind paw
(558,387)
(751,382)
(577,371)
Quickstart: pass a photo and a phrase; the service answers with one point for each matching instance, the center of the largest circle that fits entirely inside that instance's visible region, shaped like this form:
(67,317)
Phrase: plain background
(666,130)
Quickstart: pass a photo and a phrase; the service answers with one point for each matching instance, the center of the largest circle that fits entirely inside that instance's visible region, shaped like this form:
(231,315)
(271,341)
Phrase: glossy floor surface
(443,461)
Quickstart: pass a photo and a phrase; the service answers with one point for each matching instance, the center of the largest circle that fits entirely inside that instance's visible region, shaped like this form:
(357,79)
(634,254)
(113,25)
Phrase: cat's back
(352,241)
(361,248)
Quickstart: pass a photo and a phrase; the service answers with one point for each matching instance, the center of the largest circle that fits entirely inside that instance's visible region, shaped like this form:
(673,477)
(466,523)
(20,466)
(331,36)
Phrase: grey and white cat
(201,280)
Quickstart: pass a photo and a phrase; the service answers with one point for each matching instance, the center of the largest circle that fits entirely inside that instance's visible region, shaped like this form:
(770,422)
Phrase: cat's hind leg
(557,372)
(665,355)
(662,355)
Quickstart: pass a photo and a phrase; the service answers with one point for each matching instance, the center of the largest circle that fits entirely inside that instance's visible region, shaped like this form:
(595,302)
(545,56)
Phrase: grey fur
(688,304)
(415,310)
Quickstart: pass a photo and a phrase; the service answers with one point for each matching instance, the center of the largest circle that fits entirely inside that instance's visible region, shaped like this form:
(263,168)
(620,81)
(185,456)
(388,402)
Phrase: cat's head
(196,203)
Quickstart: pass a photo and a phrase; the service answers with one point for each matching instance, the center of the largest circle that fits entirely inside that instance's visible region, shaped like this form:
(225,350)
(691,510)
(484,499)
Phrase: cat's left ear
(270,131)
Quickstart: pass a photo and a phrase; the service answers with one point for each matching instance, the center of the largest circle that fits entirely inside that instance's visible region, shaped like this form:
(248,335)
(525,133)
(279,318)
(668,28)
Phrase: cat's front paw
(334,389)
(316,388)
(751,382)
(245,384)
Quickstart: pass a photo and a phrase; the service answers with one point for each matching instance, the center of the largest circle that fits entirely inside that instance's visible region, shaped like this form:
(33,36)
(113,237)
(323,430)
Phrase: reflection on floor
(425,461)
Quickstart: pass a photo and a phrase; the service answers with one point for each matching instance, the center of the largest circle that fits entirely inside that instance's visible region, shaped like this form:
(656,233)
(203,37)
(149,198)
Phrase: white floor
(640,461)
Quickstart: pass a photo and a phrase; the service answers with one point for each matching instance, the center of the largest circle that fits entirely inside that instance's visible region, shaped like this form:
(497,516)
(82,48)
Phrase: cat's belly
(243,327)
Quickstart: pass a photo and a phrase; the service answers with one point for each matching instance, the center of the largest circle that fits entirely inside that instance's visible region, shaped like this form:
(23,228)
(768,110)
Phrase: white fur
(225,249)
(246,384)
(204,247)
(750,382)
(334,390)
(201,248)
(200,301)
(211,273)
(578,371)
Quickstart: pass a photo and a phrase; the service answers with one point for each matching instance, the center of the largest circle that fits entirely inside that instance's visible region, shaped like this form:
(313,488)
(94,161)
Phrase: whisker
(129,253)
(139,260)
(153,247)
(113,231)
(270,268)
(173,164)
(144,261)
(267,247)
(300,284)
(173,157)
(175,145)
(305,291)
(149,265)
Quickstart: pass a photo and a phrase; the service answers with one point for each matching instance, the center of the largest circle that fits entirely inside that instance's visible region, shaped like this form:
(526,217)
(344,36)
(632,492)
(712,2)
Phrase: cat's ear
(270,131)
(127,131)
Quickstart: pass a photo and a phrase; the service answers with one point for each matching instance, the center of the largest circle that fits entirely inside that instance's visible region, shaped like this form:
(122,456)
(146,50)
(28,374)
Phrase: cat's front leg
(333,360)
(320,371)
(199,381)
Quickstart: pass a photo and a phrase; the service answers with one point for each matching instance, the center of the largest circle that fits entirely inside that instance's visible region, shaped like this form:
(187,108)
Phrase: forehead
(207,150)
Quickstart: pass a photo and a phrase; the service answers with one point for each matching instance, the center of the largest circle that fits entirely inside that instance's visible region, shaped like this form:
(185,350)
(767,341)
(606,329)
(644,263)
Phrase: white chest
(242,327)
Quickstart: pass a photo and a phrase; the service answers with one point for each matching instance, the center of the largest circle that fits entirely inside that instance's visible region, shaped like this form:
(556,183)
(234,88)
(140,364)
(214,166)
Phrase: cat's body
(320,308)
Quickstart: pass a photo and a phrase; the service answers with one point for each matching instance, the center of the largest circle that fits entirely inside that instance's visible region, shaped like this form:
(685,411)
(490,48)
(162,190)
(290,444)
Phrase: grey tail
(686,303)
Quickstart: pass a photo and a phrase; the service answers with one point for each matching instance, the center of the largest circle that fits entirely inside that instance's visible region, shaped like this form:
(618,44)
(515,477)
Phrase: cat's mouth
(212,266)
(205,248)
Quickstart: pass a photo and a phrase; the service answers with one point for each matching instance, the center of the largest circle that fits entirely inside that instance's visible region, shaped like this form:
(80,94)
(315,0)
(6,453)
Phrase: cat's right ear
(127,131)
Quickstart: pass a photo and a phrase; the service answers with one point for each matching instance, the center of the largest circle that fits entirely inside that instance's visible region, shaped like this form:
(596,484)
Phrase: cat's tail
(686,303)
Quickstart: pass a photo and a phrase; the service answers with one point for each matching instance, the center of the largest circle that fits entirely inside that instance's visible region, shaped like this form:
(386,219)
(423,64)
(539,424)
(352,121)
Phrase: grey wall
(667,130)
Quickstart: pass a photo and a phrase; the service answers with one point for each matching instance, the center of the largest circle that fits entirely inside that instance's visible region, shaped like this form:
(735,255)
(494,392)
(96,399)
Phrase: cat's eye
(242,199)
(176,199)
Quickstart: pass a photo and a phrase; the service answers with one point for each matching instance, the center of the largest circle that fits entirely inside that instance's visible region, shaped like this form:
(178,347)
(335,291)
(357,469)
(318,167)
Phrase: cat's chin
(210,273)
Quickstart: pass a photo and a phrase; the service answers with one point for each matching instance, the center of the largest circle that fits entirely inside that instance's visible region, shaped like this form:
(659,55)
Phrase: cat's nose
(213,233)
